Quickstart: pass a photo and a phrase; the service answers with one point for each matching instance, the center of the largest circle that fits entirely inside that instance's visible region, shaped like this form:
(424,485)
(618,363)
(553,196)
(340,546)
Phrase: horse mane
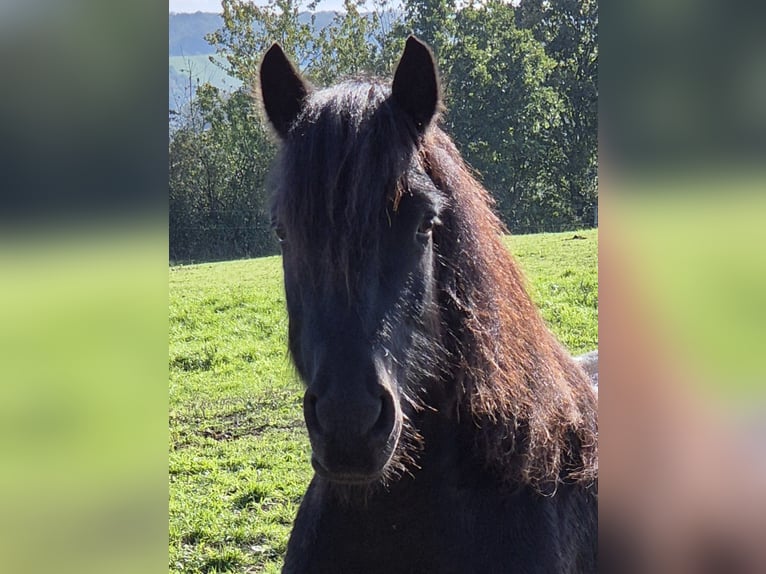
(533,408)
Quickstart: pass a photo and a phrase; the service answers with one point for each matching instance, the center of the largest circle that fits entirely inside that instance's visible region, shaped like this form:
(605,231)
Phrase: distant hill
(187,33)
(188,50)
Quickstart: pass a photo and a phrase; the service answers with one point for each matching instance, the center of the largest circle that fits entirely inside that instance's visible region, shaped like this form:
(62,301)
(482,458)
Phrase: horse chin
(366,475)
(346,478)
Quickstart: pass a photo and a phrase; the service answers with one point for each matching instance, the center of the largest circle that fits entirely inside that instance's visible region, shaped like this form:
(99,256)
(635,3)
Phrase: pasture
(239,454)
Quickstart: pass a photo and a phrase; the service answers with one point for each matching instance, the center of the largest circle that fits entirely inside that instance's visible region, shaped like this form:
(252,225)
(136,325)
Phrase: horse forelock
(341,171)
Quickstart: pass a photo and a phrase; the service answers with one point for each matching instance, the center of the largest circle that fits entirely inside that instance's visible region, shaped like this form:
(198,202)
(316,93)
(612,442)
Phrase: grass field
(239,454)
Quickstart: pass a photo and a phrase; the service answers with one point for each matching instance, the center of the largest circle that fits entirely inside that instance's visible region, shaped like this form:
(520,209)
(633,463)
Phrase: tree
(249,30)
(222,148)
(433,21)
(355,43)
(504,115)
(568,29)
(219,159)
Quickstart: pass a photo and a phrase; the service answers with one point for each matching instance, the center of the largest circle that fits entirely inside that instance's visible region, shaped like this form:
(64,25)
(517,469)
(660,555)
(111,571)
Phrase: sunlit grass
(239,454)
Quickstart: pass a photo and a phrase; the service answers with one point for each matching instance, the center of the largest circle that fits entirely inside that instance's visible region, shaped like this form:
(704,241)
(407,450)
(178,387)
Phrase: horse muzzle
(352,438)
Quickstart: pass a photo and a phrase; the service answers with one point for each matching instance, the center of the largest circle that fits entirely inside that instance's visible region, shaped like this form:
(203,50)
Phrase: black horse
(450,431)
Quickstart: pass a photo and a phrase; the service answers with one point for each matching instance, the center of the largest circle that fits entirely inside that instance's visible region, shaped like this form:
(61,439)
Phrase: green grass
(239,454)
(562,274)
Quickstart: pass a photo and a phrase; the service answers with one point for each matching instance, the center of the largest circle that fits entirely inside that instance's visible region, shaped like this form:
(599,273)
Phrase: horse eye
(427,226)
(279,231)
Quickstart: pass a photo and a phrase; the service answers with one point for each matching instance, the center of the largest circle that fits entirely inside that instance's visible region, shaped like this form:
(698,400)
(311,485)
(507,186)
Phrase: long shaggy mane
(534,408)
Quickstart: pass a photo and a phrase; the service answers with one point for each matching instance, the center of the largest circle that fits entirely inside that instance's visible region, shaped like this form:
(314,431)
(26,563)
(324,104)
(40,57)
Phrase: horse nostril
(385,422)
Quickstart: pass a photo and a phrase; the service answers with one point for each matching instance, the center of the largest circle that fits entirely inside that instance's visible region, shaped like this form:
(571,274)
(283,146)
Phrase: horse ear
(416,85)
(282,88)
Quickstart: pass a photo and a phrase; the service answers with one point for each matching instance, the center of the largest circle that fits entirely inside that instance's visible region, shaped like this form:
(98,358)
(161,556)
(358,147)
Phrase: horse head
(358,220)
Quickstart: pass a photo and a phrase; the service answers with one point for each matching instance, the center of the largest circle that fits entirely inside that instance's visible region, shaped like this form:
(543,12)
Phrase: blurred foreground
(681,407)
(682,278)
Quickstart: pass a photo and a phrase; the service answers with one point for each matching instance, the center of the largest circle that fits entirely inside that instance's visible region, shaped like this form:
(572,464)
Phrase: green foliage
(433,21)
(353,44)
(568,29)
(218,164)
(249,30)
(503,114)
(521,85)
(239,453)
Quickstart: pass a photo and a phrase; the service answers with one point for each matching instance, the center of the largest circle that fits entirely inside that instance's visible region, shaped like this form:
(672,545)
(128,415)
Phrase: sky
(215,5)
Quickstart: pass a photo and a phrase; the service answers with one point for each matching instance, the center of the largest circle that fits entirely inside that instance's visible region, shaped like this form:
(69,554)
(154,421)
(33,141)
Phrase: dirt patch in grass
(238,430)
